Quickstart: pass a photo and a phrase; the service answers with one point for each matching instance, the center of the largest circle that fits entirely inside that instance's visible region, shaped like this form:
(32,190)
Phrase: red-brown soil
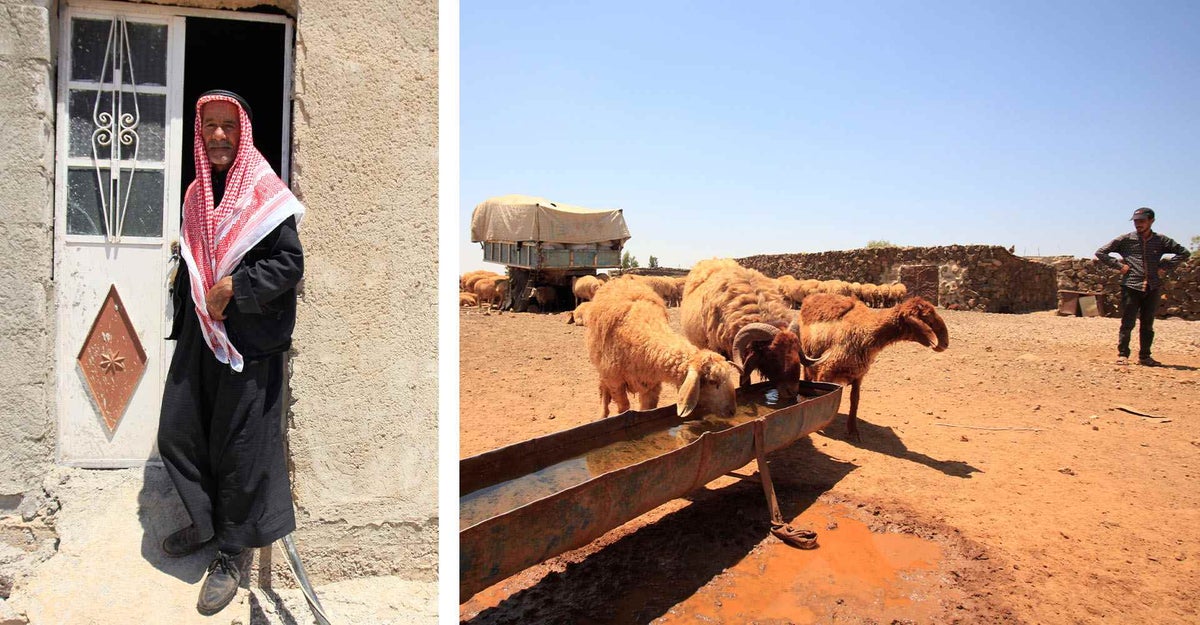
(994,482)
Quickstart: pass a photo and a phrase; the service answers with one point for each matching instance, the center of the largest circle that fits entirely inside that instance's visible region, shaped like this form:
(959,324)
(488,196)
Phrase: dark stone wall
(1180,292)
(984,278)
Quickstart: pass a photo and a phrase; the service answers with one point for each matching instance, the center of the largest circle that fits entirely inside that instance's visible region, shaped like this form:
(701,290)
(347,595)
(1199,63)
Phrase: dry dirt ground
(994,482)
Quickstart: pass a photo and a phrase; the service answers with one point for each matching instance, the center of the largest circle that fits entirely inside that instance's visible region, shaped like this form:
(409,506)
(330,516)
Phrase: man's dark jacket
(262,313)
(1144,257)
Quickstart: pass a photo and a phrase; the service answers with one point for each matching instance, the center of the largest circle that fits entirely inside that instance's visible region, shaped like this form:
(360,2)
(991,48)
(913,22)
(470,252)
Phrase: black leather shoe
(220,587)
(183,542)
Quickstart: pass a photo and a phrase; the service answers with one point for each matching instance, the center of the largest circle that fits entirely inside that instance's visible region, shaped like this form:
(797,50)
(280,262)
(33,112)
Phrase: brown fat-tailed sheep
(485,290)
(545,296)
(849,336)
(467,299)
(665,287)
(470,278)
(898,292)
(739,313)
(579,315)
(870,294)
(634,350)
(585,288)
(501,292)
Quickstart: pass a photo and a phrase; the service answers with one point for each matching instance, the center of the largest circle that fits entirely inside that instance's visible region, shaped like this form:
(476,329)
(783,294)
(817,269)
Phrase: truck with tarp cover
(546,244)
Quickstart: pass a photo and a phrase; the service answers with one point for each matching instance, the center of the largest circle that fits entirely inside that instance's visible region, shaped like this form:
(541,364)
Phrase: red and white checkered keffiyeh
(215,238)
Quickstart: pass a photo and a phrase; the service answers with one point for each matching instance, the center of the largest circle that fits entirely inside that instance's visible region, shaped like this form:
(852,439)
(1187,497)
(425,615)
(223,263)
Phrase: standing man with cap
(220,432)
(1142,268)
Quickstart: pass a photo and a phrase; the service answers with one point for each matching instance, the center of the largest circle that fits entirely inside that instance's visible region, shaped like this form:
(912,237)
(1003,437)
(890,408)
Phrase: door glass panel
(146,54)
(86,206)
(149,135)
(148,51)
(88,41)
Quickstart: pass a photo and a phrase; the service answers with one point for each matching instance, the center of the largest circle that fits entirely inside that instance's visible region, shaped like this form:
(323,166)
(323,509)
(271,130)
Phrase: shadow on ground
(641,575)
(160,512)
(884,440)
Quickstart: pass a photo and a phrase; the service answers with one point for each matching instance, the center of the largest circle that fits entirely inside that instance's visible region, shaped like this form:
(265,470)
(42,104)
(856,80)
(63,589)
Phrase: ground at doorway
(108,568)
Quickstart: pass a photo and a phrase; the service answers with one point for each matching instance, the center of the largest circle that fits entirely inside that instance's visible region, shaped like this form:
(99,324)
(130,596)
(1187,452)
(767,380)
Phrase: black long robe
(220,432)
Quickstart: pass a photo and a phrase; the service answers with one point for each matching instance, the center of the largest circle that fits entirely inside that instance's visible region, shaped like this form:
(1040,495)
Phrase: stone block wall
(1180,292)
(27,423)
(984,278)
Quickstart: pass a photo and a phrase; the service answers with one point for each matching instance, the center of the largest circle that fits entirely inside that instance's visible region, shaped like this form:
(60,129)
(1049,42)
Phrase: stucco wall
(364,431)
(986,278)
(26,248)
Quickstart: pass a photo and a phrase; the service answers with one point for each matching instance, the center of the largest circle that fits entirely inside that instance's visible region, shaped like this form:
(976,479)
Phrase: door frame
(176,19)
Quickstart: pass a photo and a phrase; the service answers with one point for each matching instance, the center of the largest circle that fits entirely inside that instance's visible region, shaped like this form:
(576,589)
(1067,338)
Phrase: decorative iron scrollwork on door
(116,129)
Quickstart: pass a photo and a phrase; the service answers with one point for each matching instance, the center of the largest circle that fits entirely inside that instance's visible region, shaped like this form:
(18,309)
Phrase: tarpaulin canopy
(513,218)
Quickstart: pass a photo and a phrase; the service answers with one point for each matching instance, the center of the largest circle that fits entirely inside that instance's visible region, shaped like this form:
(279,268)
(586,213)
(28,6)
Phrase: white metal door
(117,210)
(117,201)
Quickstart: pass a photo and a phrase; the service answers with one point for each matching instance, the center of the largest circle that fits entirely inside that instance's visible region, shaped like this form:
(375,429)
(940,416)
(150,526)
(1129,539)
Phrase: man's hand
(1124,269)
(218,298)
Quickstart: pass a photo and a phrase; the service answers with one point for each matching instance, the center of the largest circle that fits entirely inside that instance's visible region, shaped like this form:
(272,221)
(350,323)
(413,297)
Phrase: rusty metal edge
(501,546)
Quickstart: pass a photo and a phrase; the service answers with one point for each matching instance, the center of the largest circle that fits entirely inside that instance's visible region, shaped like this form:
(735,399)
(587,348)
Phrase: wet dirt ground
(994,482)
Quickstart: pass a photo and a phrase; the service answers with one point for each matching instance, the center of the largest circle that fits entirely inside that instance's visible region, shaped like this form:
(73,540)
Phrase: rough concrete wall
(1180,291)
(26,248)
(972,277)
(364,422)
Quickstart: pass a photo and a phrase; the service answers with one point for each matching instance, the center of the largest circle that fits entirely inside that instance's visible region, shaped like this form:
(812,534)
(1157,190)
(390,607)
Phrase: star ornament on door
(112,360)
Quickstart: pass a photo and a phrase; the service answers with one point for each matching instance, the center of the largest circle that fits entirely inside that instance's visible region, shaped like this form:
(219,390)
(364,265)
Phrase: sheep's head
(923,323)
(709,386)
(774,352)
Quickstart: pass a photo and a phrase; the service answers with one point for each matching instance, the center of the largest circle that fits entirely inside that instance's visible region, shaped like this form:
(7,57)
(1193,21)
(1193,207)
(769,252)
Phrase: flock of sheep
(735,321)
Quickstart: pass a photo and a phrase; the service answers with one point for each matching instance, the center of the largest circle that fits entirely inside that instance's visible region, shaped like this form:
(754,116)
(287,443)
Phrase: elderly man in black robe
(220,433)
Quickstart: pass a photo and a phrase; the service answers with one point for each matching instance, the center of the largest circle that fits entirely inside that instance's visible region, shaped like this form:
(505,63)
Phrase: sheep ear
(925,335)
(689,393)
(748,367)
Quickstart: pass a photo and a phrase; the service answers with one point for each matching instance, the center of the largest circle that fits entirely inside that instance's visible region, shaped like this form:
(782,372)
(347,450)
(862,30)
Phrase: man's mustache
(220,144)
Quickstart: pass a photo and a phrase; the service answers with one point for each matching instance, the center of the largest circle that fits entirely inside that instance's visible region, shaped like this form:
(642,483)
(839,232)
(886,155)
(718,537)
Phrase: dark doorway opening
(244,57)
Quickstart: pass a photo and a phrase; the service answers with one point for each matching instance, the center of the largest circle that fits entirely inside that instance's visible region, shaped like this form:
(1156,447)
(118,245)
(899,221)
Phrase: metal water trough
(494,548)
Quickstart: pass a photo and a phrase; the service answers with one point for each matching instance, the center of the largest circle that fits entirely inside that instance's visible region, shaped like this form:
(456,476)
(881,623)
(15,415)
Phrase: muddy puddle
(879,576)
(497,499)
(854,576)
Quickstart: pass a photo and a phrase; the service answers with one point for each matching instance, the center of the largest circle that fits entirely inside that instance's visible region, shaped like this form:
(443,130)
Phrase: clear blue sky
(730,129)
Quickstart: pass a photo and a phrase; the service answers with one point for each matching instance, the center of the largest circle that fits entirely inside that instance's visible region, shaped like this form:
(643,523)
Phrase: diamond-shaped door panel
(112,359)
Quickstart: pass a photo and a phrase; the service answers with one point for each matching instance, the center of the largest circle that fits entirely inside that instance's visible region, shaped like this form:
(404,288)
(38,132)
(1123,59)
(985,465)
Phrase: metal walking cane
(293,558)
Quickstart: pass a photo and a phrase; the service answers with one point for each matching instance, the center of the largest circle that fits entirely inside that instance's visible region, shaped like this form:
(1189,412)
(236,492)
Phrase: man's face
(1142,225)
(221,130)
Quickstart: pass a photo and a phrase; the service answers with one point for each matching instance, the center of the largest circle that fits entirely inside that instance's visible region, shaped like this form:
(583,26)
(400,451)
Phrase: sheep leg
(648,398)
(621,396)
(605,397)
(852,421)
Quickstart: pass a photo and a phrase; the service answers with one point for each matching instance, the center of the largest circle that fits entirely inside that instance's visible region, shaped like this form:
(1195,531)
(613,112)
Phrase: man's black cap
(1143,213)
(229,94)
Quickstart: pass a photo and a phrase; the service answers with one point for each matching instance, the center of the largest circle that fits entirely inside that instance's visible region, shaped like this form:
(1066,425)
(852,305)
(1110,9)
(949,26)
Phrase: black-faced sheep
(740,314)
(634,349)
(849,336)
